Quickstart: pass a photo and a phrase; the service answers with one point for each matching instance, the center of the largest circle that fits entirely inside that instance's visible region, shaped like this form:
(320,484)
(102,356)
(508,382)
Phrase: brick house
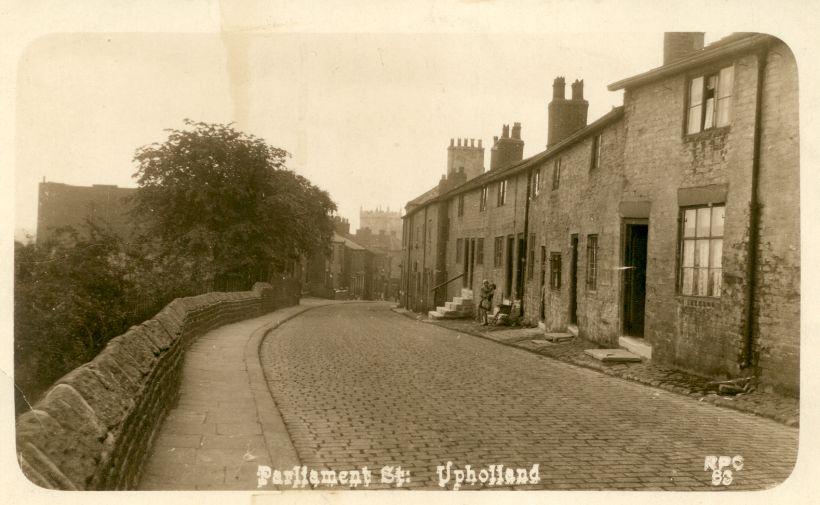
(669,226)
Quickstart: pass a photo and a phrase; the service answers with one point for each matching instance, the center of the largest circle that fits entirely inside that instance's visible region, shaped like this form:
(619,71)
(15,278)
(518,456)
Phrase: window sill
(699,301)
(707,134)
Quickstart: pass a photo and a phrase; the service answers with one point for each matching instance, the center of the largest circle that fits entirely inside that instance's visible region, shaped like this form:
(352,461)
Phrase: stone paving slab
(767,404)
(225,422)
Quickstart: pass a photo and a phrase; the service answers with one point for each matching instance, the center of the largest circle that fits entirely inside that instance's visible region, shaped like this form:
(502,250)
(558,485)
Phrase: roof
(425,197)
(723,48)
(499,173)
(347,242)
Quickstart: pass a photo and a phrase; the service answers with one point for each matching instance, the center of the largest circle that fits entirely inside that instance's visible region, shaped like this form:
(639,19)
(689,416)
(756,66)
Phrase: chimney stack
(678,45)
(506,150)
(566,116)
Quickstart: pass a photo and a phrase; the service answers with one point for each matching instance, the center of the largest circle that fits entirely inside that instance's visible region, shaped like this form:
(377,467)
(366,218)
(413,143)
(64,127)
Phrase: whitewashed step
(558,337)
(636,345)
(613,355)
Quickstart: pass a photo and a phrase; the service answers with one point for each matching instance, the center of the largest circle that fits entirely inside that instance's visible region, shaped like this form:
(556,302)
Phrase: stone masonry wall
(777,300)
(585,203)
(94,427)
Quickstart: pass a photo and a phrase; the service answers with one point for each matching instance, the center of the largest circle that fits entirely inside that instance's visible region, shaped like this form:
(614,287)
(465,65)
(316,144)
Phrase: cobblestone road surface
(360,385)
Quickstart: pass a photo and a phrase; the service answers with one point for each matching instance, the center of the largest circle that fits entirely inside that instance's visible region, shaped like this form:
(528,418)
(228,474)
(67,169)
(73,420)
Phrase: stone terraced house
(670,226)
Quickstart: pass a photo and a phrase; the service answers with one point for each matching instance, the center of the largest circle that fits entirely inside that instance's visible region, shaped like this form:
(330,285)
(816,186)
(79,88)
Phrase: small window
(479,252)
(459,249)
(710,101)
(555,271)
(592,262)
(461,205)
(531,257)
(536,182)
(498,251)
(556,174)
(701,251)
(502,192)
(597,146)
(483,202)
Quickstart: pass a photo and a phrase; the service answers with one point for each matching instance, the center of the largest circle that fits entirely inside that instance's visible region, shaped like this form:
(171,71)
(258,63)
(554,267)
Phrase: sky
(367,117)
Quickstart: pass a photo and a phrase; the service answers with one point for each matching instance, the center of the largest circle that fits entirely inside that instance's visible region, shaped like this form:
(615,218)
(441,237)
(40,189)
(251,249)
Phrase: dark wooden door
(573,281)
(509,276)
(543,281)
(635,243)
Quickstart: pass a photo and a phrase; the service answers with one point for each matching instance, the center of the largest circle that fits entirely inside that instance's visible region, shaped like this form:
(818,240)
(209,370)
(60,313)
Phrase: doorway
(509,273)
(519,266)
(472,263)
(573,281)
(543,313)
(636,237)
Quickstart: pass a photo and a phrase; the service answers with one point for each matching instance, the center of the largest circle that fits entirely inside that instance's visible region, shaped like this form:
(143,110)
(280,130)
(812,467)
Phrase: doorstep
(636,346)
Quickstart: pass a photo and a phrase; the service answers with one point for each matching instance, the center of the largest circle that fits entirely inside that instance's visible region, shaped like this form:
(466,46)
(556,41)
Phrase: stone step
(613,355)
(573,329)
(558,337)
(636,345)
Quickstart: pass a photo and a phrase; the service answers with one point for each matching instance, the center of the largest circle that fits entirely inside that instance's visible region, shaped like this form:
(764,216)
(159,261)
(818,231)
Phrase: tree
(71,296)
(225,200)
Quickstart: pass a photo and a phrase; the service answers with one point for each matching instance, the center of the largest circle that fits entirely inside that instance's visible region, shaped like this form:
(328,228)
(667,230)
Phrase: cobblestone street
(360,385)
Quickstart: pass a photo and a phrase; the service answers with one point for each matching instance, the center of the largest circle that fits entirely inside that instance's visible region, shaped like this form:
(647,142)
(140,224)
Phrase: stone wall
(94,427)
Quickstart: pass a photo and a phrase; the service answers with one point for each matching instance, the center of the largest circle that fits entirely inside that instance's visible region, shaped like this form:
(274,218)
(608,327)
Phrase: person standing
(485,305)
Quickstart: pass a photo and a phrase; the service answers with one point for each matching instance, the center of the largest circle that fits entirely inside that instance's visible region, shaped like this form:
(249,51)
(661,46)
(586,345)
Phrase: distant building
(346,272)
(379,220)
(64,205)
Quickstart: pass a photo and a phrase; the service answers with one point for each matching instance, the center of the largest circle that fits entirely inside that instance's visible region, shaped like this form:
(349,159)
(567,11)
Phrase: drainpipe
(754,216)
(424,262)
(527,244)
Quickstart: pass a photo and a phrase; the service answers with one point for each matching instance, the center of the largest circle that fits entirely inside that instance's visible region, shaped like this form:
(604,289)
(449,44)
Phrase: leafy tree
(70,298)
(225,201)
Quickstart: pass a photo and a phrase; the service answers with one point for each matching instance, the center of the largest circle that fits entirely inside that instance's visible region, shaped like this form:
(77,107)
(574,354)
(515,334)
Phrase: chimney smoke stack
(678,45)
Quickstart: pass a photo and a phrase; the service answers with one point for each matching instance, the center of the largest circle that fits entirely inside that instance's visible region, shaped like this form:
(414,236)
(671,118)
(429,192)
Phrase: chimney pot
(558,88)
(516,131)
(578,89)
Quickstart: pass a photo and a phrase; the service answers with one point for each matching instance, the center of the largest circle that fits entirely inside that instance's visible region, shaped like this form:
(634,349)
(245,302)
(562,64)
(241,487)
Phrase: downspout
(527,244)
(754,216)
(423,262)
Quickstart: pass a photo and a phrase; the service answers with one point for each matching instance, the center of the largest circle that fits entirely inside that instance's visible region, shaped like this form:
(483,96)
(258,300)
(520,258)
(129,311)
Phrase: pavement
(225,423)
(765,403)
(359,385)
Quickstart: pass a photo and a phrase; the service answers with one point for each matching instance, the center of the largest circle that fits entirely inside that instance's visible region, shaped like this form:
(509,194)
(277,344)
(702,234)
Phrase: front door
(636,238)
(509,276)
(573,281)
(519,266)
(543,281)
(472,262)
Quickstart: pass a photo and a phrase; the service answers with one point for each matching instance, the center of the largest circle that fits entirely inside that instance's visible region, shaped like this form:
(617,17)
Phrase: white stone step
(613,355)
(636,345)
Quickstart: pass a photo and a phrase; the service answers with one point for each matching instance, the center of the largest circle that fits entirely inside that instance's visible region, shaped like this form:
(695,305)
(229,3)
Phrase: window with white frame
(701,246)
(502,192)
(536,182)
(597,147)
(710,101)
(556,174)
(482,205)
